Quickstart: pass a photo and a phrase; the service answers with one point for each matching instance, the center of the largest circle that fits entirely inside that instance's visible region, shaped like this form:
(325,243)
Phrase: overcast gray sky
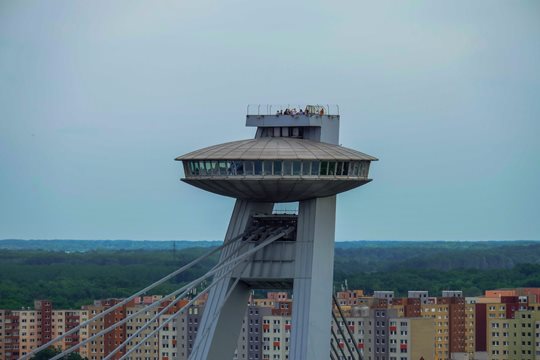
(97,99)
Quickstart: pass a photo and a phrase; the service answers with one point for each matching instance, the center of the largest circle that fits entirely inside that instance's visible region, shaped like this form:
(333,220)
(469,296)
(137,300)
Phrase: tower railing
(273,109)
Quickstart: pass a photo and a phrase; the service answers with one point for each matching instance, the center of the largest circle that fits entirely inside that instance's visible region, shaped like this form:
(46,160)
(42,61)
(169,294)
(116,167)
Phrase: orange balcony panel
(276,343)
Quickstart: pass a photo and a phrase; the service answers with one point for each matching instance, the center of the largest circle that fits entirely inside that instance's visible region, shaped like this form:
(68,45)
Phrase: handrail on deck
(272,109)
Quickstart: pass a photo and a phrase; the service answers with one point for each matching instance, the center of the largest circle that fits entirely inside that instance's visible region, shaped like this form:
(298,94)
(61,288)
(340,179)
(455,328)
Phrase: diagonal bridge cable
(189,286)
(264,243)
(333,352)
(336,340)
(206,330)
(173,316)
(183,308)
(123,321)
(343,337)
(344,321)
(138,293)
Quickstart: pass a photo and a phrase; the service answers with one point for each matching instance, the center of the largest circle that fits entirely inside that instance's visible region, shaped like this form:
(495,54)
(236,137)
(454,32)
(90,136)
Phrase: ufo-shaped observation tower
(295,157)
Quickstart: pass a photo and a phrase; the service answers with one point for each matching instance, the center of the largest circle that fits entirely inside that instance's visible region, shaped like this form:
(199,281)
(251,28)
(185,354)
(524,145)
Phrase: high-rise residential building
(349,297)
(494,327)
(448,314)
(407,307)
(514,338)
(9,347)
(419,294)
(356,325)
(276,333)
(83,333)
(187,330)
(380,334)
(388,296)
(411,339)
(488,309)
(168,342)
(30,330)
(22,331)
(470,326)
(456,307)
(250,340)
(65,320)
(149,349)
(168,335)
(116,336)
(2,333)
(452,293)
(94,349)
(44,307)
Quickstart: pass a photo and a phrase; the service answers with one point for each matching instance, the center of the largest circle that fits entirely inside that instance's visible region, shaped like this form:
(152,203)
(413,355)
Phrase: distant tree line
(74,279)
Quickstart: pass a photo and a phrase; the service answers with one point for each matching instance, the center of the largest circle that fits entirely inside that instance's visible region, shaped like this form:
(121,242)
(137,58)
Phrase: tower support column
(312,288)
(222,318)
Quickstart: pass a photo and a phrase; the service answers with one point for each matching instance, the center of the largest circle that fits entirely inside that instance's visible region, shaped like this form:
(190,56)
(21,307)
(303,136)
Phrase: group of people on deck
(299,112)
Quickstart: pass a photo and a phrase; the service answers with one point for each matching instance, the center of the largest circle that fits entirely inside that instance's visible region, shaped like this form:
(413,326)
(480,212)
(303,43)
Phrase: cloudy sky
(97,99)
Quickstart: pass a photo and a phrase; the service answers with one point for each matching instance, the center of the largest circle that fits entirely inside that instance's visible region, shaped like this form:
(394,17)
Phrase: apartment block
(250,344)
(411,338)
(503,325)
(470,326)
(276,332)
(9,346)
(187,330)
(168,336)
(387,296)
(419,294)
(349,297)
(516,338)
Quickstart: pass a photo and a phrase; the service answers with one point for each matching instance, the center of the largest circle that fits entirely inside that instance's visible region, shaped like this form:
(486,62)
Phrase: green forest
(72,279)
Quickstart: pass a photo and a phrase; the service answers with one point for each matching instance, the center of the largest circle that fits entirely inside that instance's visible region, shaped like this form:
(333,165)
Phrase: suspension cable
(176,314)
(337,342)
(343,335)
(333,351)
(216,313)
(237,259)
(156,317)
(180,311)
(360,357)
(138,293)
(123,321)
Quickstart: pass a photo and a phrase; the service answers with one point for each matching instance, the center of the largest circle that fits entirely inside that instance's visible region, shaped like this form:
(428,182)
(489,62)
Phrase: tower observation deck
(294,157)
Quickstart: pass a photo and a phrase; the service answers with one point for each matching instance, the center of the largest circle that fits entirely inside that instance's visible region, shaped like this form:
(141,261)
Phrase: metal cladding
(269,148)
(276,190)
(276,169)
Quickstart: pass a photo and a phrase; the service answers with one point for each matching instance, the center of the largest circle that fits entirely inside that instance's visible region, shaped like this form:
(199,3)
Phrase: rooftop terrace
(292,109)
